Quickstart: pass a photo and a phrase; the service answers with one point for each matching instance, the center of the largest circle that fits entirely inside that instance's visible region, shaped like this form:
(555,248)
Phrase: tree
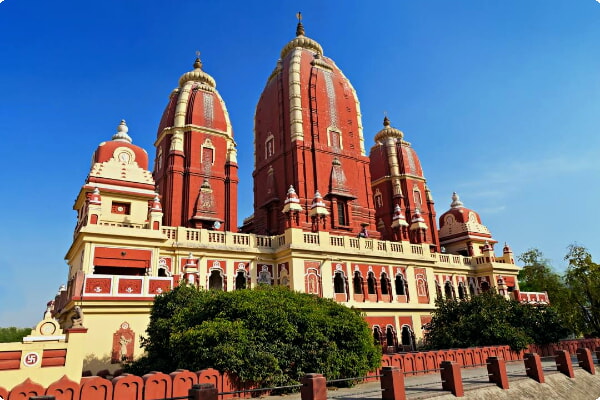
(13,334)
(583,279)
(538,276)
(490,319)
(266,336)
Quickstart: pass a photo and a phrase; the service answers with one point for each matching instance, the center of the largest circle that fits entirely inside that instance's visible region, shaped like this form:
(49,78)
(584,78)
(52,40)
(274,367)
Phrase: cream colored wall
(74,344)
(138,210)
(103,322)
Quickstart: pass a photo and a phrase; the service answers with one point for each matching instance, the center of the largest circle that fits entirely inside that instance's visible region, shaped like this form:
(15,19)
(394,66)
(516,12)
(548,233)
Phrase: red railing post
(496,368)
(584,356)
(563,363)
(451,378)
(314,387)
(598,354)
(392,384)
(533,367)
(203,391)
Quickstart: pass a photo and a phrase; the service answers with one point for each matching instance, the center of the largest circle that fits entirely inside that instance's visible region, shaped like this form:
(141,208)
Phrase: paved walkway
(430,385)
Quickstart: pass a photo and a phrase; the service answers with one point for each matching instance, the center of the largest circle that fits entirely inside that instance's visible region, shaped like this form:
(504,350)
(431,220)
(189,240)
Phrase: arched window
(342,215)
(378,198)
(240,280)
(406,336)
(472,289)
(449,290)
(377,335)
(400,285)
(339,282)
(385,282)
(390,336)
(484,286)
(357,283)
(461,291)
(215,281)
(438,290)
(371,283)
(335,140)
(417,198)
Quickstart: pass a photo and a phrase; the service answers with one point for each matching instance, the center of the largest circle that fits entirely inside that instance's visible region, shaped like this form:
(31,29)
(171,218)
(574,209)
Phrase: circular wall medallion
(124,155)
(124,325)
(31,359)
(48,328)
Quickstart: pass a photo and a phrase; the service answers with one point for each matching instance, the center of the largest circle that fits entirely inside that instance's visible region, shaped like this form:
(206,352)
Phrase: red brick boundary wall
(157,385)
(423,362)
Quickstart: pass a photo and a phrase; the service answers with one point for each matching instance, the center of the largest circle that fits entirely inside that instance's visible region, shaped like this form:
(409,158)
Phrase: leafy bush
(489,319)
(266,336)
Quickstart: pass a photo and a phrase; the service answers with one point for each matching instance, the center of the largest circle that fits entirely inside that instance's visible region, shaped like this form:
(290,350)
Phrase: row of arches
(371,285)
(217,279)
(389,339)
(450,293)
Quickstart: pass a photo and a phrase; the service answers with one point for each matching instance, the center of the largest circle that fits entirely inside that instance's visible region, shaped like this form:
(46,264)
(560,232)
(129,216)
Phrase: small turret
(318,212)
(461,231)
(418,228)
(155,214)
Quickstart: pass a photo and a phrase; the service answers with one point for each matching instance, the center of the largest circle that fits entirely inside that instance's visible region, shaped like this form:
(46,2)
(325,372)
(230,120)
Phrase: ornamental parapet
(325,242)
(203,238)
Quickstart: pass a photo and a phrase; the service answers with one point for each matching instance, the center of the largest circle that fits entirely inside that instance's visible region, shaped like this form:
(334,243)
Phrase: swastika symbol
(31,359)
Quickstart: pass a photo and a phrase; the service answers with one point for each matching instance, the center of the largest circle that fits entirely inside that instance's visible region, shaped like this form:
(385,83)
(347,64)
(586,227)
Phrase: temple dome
(120,162)
(196,103)
(460,222)
(122,149)
(388,132)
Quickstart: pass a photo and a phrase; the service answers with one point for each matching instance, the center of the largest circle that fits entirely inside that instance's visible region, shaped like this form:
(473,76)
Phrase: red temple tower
(196,167)
(403,202)
(311,170)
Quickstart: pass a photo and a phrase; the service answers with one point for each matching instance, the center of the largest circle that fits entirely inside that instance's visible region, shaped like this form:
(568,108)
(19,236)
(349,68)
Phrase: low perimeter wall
(158,385)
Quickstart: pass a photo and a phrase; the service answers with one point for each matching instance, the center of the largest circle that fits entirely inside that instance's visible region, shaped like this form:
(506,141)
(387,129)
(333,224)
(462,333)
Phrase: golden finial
(386,120)
(300,27)
(197,63)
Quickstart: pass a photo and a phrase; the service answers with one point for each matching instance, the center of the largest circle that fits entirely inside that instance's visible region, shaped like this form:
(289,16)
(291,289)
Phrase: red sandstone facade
(308,136)
(196,167)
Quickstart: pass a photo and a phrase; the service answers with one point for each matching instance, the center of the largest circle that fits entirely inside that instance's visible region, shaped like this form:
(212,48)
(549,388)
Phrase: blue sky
(500,99)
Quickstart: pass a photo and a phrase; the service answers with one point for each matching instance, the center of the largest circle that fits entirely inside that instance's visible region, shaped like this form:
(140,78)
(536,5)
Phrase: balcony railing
(195,237)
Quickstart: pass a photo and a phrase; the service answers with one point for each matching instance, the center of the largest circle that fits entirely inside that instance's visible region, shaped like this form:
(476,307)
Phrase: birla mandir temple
(333,216)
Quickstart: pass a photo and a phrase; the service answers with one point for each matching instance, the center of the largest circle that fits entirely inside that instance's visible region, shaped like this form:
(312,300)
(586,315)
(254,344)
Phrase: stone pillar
(203,391)
(533,367)
(563,363)
(314,387)
(497,371)
(584,356)
(451,378)
(392,384)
